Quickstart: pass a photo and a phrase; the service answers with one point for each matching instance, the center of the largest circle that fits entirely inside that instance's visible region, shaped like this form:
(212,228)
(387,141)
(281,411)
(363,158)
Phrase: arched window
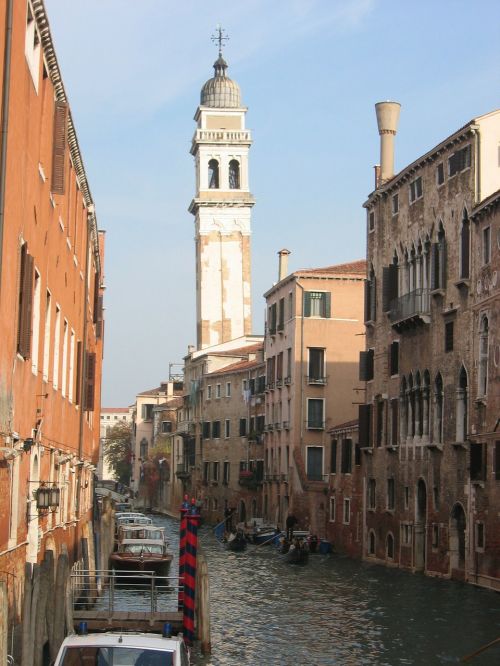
(438,264)
(483,356)
(438,409)
(464,246)
(371,543)
(411,407)
(425,405)
(403,411)
(461,425)
(418,405)
(234,175)
(390,547)
(213,175)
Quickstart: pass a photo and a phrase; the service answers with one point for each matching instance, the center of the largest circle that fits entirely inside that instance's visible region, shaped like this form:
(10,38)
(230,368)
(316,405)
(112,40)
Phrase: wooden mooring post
(203,604)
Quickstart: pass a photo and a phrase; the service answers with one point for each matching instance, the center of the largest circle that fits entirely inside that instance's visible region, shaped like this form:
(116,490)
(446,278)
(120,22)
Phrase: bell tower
(222,210)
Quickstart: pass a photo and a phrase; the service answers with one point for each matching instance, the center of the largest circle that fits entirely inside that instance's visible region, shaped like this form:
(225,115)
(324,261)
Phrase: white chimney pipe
(387,121)
(283,264)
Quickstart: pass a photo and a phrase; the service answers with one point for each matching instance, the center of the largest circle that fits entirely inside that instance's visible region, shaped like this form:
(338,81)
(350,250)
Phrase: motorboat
(131,520)
(123,649)
(264,534)
(152,532)
(136,555)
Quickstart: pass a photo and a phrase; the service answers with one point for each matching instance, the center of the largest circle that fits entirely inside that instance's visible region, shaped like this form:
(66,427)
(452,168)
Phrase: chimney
(387,121)
(283,264)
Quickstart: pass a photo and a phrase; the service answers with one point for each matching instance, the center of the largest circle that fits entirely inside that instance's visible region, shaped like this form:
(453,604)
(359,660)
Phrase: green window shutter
(328,304)
(307,304)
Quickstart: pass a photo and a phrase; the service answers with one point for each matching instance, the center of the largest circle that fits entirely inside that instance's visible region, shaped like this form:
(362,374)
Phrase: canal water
(337,611)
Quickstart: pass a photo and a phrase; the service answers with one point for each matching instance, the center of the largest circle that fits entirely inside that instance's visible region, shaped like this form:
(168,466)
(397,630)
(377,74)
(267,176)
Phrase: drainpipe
(5,119)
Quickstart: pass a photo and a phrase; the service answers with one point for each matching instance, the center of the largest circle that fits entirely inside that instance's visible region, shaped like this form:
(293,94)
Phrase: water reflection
(337,611)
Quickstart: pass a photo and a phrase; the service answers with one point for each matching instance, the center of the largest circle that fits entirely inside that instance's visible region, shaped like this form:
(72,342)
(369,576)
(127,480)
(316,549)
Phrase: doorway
(421,526)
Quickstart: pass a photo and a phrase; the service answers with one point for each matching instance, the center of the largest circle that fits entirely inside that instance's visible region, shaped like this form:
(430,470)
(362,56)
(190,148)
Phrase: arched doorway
(420,526)
(457,541)
(242,512)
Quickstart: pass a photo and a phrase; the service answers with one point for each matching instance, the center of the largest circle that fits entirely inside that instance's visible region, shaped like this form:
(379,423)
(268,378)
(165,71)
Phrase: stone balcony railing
(229,136)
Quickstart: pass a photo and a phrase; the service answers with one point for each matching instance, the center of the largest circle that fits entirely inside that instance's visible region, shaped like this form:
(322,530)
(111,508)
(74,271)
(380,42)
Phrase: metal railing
(409,305)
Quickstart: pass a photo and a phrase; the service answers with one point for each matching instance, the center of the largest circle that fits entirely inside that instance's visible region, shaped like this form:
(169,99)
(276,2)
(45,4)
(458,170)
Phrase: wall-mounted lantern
(47,497)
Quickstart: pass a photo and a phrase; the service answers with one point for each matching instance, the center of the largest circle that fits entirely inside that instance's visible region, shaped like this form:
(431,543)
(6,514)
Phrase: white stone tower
(222,209)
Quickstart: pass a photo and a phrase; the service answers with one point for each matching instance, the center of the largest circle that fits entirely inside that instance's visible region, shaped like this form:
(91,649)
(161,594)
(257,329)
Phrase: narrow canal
(337,611)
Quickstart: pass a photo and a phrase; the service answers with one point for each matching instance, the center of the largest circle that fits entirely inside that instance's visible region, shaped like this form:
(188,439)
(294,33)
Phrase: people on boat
(291,521)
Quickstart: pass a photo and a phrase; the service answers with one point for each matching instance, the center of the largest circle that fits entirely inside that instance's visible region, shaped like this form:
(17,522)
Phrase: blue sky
(310,72)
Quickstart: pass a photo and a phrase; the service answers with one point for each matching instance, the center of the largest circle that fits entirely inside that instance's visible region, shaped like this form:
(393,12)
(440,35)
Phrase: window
(315,463)
(57,344)
(366,365)
(462,409)
(317,304)
(416,191)
(46,339)
(371,220)
(260,423)
(166,426)
(477,461)
(480,540)
(371,543)
(390,495)
(216,429)
(486,245)
(407,497)
(228,389)
(58,179)
(394,358)
(261,384)
(370,297)
(346,457)
(290,305)
(390,547)
(213,175)
(347,512)
(483,357)
(225,472)
(333,457)
(459,161)
(440,173)
(234,175)
(227,428)
(147,412)
(395,204)
(206,470)
(448,336)
(64,377)
(315,415)
(271,319)
(406,534)
(365,425)
(71,380)
(143,448)
(36,324)
(316,371)
(435,496)
(438,260)
(243,427)
(371,493)
(332,509)
(497,461)
(217,391)
(209,392)
(380,425)
(281,314)
(32,46)
(206,429)
(465,247)
(438,409)
(215,471)
(394,421)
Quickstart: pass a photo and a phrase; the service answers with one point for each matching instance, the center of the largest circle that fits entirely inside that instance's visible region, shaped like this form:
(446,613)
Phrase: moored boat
(236,541)
(136,555)
(130,649)
(263,535)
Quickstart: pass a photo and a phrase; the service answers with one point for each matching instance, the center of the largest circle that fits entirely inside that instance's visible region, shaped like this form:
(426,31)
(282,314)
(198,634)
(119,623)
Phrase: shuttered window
(465,248)
(394,358)
(317,304)
(243,427)
(78,372)
(365,426)
(333,457)
(389,286)
(346,462)
(59,147)
(90,381)
(206,429)
(366,365)
(395,421)
(370,299)
(25,303)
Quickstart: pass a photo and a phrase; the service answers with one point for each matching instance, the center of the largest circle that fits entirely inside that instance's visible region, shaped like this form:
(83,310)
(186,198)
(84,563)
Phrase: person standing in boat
(291,521)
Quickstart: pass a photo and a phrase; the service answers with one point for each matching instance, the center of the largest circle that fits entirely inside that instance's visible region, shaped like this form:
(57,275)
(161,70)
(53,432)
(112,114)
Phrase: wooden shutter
(307,304)
(100,319)
(78,372)
(366,365)
(394,357)
(367,300)
(96,298)
(395,421)
(333,457)
(25,304)
(364,416)
(328,305)
(90,382)
(389,286)
(59,147)
(465,250)
(373,299)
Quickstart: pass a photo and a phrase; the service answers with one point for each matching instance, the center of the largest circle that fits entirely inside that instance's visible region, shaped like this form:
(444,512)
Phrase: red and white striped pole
(193,520)
(182,551)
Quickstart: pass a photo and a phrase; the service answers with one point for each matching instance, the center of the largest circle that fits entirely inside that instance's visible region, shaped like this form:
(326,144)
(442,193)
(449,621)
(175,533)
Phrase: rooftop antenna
(220,37)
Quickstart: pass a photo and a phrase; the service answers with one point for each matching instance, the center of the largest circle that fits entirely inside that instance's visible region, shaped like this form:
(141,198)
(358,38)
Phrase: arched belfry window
(465,247)
(213,175)
(483,356)
(234,175)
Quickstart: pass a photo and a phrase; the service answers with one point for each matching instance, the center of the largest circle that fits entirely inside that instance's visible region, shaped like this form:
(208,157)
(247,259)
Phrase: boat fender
(167,630)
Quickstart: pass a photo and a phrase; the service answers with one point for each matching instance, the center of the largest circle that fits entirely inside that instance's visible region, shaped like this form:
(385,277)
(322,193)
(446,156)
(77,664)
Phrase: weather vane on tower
(220,37)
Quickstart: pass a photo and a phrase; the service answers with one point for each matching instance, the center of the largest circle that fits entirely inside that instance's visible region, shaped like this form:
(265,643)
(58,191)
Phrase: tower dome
(220,92)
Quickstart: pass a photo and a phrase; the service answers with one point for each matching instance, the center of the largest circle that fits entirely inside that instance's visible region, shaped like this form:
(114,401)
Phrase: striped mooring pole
(193,520)
(182,551)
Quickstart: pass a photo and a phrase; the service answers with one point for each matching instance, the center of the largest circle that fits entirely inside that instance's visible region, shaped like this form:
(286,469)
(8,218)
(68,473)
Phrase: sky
(310,72)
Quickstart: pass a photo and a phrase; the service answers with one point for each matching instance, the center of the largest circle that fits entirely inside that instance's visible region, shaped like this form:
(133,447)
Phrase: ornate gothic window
(234,175)
(213,175)
(461,425)
(483,356)
(438,409)
(465,247)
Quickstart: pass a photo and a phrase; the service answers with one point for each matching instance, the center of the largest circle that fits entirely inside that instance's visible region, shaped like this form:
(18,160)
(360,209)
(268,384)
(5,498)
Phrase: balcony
(229,136)
(186,428)
(410,309)
(249,479)
(182,472)
(315,425)
(288,381)
(286,425)
(320,381)
(277,425)
(270,386)
(279,383)
(270,426)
